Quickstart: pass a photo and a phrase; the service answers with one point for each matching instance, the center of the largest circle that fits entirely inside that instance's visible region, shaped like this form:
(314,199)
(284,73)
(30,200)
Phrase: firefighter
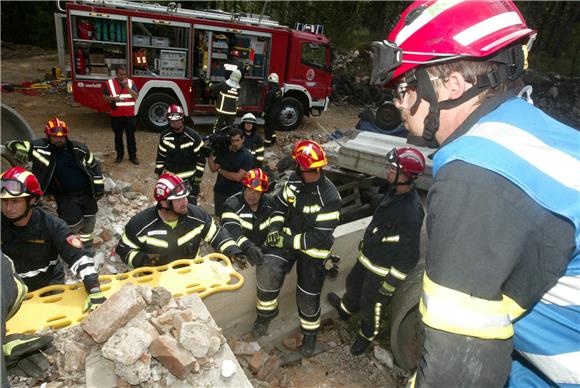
(271,111)
(173,229)
(35,239)
(69,171)
(253,141)
(503,221)
(226,95)
(121,93)
(306,211)
(180,152)
(389,250)
(21,352)
(247,215)
(234,63)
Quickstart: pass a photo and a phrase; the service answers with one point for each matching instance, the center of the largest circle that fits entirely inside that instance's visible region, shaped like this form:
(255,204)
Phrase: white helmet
(249,118)
(236,75)
(273,77)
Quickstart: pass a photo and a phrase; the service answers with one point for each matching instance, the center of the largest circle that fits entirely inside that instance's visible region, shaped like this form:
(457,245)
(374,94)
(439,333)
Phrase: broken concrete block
(228,368)
(106,235)
(180,318)
(268,371)
(160,296)
(136,373)
(126,345)
(214,346)
(171,354)
(257,361)
(116,312)
(119,209)
(293,342)
(164,322)
(146,293)
(383,356)
(195,337)
(99,371)
(74,357)
(242,348)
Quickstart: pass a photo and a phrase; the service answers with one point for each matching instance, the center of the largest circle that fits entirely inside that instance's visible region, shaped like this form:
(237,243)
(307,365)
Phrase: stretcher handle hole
(53,319)
(184,271)
(50,292)
(60,325)
(122,276)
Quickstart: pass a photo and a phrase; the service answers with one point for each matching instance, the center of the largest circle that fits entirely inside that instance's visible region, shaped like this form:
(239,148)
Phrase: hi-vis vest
(125,107)
(227,101)
(542,157)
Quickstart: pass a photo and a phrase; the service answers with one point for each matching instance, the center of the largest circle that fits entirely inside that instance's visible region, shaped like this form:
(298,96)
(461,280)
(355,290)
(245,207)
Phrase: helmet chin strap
(511,64)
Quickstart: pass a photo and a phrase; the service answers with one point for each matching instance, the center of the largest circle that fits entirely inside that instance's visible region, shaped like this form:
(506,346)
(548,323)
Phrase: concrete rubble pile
(143,336)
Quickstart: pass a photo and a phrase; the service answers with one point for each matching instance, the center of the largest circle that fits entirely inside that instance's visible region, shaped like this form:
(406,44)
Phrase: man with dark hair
(503,257)
(120,93)
(231,165)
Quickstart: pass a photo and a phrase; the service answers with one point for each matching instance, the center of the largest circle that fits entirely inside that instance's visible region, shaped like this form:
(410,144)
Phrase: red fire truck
(170,51)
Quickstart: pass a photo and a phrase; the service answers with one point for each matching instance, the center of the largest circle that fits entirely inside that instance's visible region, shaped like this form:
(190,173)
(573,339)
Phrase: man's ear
(457,85)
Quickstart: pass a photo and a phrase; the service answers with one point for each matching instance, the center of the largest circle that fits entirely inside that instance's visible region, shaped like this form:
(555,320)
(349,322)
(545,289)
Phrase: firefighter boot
(335,301)
(260,327)
(308,345)
(359,346)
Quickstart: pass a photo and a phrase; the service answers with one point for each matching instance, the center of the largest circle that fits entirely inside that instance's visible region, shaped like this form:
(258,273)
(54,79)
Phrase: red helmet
(433,31)
(409,161)
(56,127)
(256,179)
(309,155)
(175,112)
(16,182)
(169,186)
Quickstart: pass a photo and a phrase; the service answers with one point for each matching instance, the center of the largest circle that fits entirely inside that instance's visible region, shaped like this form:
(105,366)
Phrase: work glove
(255,255)
(272,238)
(23,355)
(331,266)
(20,152)
(240,259)
(94,300)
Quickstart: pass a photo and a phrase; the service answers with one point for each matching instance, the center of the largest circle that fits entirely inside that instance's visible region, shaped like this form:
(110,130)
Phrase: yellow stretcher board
(60,306)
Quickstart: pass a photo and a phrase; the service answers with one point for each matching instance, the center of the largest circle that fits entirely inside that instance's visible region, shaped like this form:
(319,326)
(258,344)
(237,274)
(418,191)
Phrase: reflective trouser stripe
(309,325)
(456,312)
(186,174)
(343,308)
(86,237)
(267,305)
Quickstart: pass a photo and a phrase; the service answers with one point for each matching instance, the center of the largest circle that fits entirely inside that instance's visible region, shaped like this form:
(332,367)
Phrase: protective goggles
(181,190)
(392,160)
(174,116)
(387,57)
(257,184)
(13,187)
(58,132)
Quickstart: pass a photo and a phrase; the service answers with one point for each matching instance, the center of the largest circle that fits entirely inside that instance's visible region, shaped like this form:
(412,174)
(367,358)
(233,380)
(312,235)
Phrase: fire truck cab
(171,52)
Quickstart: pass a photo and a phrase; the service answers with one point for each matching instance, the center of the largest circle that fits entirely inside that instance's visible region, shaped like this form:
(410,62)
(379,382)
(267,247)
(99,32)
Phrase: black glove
(23,357)
(254,255)
(241,259)
(331,266)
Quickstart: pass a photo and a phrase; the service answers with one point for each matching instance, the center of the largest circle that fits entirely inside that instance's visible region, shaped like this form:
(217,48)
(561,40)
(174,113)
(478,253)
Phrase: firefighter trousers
(270,278)
(269,130)
(362,294)
(79,211)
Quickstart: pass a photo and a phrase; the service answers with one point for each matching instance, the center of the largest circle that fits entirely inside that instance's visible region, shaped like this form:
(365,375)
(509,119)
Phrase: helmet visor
(174,116)
(257,184)
(392,160)
(181,190)
(13,187)
(387,57)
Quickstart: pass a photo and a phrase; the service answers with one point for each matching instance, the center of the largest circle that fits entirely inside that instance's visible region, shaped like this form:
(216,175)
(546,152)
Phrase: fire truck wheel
(405,319)
(291,114)
(153,111)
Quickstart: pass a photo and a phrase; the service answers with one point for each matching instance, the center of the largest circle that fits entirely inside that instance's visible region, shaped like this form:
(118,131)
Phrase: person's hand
(272,238)
(23,355)
(255,255)
(94,300)
(240,259)
(331,266)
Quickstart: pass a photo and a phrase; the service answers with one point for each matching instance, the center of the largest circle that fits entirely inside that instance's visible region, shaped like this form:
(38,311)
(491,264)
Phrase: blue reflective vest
(542,157)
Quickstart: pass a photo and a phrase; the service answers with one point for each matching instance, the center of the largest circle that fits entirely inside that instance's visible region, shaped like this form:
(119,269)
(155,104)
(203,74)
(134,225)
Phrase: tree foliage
(349,24)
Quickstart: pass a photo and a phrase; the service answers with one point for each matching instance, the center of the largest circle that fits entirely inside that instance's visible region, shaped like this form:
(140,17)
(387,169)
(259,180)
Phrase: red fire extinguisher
(81,61)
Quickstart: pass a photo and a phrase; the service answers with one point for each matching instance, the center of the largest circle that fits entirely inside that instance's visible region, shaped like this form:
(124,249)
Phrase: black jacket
(255,143)
(308,213)
(36,247)
(392,239)
(273,100)
(248,228)
(43,157)
(180,153)
(147,236)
